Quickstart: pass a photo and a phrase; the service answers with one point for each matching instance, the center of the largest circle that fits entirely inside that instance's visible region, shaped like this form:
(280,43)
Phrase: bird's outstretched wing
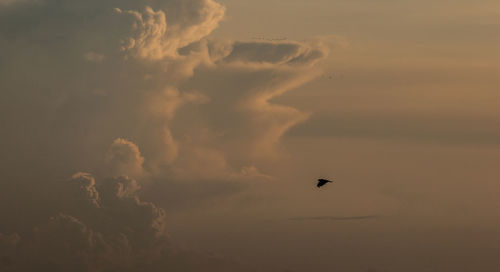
(322,182)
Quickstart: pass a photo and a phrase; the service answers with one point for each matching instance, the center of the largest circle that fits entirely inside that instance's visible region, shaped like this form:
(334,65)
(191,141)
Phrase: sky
(187,135)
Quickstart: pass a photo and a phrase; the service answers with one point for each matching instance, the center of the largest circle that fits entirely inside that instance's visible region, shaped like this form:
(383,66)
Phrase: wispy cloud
(334,218)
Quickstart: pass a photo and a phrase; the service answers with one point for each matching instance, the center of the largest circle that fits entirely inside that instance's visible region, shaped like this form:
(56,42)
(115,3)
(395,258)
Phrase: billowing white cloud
(125,158)
(153,38)
(82,190)
(136,93)
(252,74)
(122,233)
(13,2)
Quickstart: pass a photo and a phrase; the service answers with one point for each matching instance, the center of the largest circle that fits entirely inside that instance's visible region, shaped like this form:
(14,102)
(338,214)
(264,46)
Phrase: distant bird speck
(322,182)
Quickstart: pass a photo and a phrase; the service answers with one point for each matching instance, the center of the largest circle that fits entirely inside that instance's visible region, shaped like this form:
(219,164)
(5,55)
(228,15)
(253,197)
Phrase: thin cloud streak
(334,218)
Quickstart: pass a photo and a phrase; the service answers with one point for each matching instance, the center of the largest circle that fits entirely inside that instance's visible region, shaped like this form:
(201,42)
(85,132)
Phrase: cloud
(82,190)
(275,53)
(120,233)
(92,56)
(152,94)
(252,171)
(125,158)
(14,2)
(400,126)
(250,75)
(110,205)
(334,218)
(154,39)
(137,94)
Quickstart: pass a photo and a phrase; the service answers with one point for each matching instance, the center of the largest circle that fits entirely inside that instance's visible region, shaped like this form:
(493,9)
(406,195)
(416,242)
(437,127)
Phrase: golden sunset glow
(188,135)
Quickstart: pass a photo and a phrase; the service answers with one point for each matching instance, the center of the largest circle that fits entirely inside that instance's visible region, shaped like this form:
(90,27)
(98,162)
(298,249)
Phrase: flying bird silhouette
(322,182)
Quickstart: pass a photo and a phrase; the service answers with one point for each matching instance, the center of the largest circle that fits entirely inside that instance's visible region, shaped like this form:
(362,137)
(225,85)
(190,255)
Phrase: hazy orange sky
(187,135)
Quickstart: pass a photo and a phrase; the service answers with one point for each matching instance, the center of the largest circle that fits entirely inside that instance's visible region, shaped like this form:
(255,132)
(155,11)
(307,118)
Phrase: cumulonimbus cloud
(154,38)
(102,226)
(152,79)
(125,158)
(131,91)
(334,218)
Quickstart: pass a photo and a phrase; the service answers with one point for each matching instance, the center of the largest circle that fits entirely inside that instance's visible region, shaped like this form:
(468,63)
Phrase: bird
(322,182)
